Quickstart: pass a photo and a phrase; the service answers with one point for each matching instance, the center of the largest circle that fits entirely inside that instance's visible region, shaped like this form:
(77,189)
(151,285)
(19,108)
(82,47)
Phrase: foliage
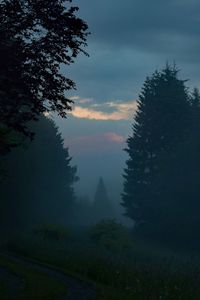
(111,235)
(42,180)
(147,273)
(179,184)
(52,232)
(36,38)
(7,140)
(160,128)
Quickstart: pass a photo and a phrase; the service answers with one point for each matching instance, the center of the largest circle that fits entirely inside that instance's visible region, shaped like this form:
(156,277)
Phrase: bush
(52,232)
(111,235)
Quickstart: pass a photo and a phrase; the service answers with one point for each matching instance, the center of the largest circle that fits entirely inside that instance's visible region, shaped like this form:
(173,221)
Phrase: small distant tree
(102,205)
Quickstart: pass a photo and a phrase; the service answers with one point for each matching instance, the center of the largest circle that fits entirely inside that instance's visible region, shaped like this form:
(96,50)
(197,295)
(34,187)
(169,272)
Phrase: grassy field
(34,284)
(141,273)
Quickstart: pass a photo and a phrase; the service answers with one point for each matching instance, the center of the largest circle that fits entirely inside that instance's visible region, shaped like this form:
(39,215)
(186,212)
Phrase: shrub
(111,235)
(52,232)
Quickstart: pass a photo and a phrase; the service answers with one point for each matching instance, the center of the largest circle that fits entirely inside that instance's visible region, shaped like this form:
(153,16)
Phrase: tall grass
(139,273)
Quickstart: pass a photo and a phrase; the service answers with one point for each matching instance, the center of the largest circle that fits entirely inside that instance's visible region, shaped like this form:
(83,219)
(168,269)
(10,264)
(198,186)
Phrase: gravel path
(77,289)
(11,281)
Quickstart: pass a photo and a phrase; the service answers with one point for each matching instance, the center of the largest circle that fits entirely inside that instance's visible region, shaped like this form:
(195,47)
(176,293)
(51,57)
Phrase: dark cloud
(141,23)
(130,39)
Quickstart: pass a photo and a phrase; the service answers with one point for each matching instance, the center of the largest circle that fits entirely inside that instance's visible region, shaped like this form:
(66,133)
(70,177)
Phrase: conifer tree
(102,205)
(39,184)
(180,182)
(159,126)
(192,167)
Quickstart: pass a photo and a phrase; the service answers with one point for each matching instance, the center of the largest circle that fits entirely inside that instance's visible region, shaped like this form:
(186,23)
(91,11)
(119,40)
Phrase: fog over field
(99,149)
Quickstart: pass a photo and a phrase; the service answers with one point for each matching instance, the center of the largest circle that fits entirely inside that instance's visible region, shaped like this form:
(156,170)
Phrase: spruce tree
(180,182)
(159,126)
(192,167)
(102,205)
(39,183)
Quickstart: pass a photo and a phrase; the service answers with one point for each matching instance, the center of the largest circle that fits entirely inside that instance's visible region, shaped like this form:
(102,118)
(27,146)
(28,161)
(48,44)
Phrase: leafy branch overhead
(36,39)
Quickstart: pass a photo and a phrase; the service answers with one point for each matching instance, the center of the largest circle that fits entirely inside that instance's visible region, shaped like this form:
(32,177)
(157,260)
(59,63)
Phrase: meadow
(138,271)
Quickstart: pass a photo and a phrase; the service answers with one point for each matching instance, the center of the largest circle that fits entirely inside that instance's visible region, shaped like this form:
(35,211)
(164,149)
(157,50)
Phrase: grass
(4,290)
(36,285)
(143,274)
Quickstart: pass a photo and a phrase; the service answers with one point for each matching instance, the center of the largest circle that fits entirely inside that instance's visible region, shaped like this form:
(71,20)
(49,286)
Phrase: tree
(191,162)
(179,183)
(7,140)
(195,99)
(102,206)
(159,127)
(36,39)
(39,186)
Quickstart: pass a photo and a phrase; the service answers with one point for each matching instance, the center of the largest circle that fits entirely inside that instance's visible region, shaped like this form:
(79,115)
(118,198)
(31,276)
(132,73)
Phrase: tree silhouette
(159,128)
(102,205)
(36,39)
(39,184)
(179,182)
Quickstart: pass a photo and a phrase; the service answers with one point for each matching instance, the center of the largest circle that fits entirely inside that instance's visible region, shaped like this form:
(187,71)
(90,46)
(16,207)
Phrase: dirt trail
(12,282)
(76,288)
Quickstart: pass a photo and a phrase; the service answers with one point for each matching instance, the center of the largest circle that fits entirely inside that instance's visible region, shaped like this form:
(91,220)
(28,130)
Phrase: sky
(129,40)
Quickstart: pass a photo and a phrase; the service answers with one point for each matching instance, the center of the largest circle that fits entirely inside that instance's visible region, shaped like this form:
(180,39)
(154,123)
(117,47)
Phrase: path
(76,289)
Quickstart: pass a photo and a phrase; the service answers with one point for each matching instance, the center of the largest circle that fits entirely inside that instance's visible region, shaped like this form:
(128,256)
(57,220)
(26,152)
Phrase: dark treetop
(36,38)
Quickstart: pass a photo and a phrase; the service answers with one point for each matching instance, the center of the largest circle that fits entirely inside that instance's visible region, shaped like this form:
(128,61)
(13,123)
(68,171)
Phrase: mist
(99,150)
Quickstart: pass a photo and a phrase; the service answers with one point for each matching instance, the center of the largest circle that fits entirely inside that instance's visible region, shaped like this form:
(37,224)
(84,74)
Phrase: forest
(58,243)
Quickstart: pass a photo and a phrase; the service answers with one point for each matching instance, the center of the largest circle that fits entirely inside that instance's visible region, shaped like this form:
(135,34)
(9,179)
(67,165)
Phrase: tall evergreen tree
(38,187)
(192,167)
(179,182)
(159,126)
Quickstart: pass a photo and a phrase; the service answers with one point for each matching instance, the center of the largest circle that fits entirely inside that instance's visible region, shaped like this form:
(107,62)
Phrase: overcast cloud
(132,38)
(129,40)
